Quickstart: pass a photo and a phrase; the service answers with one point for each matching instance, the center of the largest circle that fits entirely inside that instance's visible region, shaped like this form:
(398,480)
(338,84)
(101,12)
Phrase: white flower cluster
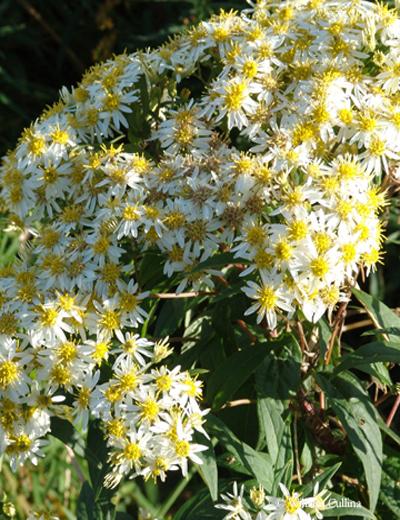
(149,413)
(276,155)
(163,402)
(259,506)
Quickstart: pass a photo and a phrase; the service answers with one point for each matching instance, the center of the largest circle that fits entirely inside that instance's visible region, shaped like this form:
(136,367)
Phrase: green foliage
(351,404)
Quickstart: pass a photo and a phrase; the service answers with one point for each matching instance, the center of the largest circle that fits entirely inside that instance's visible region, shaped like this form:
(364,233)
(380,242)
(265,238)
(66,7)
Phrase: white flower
(270,296)
(288,508)
(233,503)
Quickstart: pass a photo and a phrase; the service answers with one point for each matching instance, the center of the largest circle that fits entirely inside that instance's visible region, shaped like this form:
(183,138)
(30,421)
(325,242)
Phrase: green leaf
(62,429)
(306,455)
(218,261)
(86,508)
(199,507)
(221,321)
(208,469)
(236,370)
(390,492)
(388,431)
(365,355)
(381,315)
(96,453)
(284,476)
(325,333)
(359,418)
(283,465)
(345,507)
(150,270)
(279,375)
(230,462)
(322,479)
(277,433)
(271,423)
(395,331)
(170,317)
(378,372)
(256,463)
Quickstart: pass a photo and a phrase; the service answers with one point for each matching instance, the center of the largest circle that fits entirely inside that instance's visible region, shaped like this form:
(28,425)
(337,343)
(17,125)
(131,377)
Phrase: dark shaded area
(45,44)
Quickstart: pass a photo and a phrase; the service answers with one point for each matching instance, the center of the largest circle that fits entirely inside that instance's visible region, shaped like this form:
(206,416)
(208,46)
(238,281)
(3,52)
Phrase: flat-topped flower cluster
(276,154)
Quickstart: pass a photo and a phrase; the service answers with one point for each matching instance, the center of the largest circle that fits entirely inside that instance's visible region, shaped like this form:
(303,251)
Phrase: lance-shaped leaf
(359,418)
(381,315)
(256,463)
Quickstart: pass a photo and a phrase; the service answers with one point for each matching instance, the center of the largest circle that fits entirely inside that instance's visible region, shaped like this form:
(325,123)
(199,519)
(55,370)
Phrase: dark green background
(45,44)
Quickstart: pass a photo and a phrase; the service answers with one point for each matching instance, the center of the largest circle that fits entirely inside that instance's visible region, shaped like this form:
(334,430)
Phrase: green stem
(143,502)
(176,493)
(147,322)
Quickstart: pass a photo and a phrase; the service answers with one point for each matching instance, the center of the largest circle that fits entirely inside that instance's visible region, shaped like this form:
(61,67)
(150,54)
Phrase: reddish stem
(393,411)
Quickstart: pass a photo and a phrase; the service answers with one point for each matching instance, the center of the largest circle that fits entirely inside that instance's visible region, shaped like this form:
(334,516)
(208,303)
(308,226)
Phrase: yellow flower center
(111,102)
(131,213)
(37,145)
(348,253)
(67,351)
(61,375)
(110,320)
(160,465)
(182,448)
(21,443)
(348,170)
(150,409)
(175,220)
(235,95)
(83,397)
(9,373)
(48,317)
(345,115)
(110,272)
(116,428)
(267,298)
(67,302)
(330,295)
(292,504)
(60,136)
(298,230)
(263,260)
(132,451)
(319,266)
(255,236)
(377,147)
(128,301)
(197,230)
(250,69)
(367,122)
(372,257)
(101,245)
(283,251)
(100,351)
(128,381)
(164,382)
(344,208)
